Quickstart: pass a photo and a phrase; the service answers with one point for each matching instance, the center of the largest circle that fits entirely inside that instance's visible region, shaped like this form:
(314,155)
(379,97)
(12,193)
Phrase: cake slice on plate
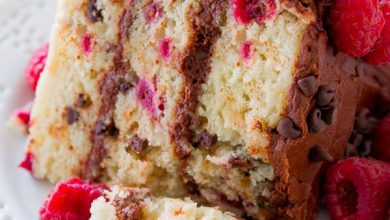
(234,103)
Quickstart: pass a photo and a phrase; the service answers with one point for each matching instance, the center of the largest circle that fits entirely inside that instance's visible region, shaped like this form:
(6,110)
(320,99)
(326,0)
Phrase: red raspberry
(86,43)
(358,189)
(381,51)
(165,48)
(246,50)
(71,200)
(36,65)
(381,140)
(145,95)
(356,25)
(27,162)
(245,11)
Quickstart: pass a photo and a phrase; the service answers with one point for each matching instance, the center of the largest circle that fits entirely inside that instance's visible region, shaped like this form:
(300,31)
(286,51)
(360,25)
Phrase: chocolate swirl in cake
(109,88)
(195,69)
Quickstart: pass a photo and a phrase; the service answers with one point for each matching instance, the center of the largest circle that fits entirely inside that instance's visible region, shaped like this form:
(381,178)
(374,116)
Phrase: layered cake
(232,103)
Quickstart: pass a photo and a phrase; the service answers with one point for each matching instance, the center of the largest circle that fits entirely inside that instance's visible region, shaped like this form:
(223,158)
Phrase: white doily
(24,26)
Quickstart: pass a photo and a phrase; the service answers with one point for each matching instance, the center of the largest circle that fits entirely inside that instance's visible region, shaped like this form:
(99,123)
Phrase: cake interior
(119,76)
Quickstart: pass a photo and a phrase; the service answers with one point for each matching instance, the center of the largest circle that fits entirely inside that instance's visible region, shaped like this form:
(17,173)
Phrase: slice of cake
(235,103)
(135,203)
(83,200)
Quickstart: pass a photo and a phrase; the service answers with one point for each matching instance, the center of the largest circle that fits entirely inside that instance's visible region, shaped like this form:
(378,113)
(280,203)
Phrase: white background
(24,26)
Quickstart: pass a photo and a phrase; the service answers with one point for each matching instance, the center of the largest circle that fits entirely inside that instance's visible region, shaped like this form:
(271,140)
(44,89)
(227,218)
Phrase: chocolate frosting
(355,84)
(296,183)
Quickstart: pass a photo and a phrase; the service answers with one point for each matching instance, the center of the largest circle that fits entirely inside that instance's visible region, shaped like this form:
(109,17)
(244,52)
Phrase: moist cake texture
(136,203)
(234,103)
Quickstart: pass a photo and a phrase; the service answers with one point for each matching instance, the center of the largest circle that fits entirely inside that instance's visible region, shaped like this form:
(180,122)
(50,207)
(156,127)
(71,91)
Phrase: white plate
(24,26)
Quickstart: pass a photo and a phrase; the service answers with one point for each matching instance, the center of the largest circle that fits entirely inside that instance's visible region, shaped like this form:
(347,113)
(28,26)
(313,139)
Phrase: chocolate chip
(203,139)
(365,148)
(329,115)
(125,86)
(236,161)
(83,101)
(318,154)
(93,13)
(308,86)
(356,139)
(206,139)
(72,115)
(364,123)
(325,97)
(106,128)
(376,76)
(137,144)
(191,185)
(259,126)
(288,129)
(100,127)
(315,122)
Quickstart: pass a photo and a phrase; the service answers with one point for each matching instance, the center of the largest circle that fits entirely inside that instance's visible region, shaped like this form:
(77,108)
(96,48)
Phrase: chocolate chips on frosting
(360,140)
(319,154)
(288,129)
(325,97)
(364,123)
(315,122)
(308,86)
(324,111)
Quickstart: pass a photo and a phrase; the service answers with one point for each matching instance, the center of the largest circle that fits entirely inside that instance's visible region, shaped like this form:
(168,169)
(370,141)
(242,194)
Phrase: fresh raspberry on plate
(381,140)
(356,25)
(36,65)
(71,200)
(381,52)
(358,188)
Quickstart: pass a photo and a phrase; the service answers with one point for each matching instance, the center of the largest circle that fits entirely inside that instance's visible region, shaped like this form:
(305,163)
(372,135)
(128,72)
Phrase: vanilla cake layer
(136,203)
(194,98)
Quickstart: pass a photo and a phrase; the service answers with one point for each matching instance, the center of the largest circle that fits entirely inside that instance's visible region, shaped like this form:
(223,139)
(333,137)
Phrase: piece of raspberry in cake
(235,103)
(137,203)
